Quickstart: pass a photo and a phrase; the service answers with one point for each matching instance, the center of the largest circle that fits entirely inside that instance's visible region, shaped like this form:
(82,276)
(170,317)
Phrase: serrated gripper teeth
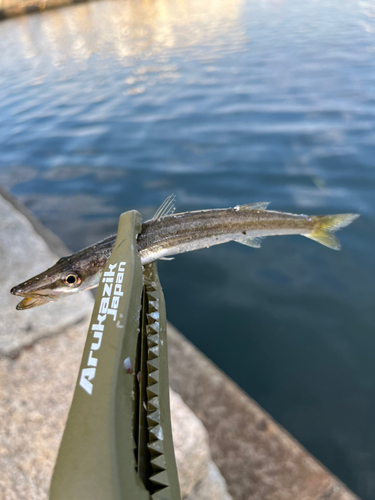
(153,377)
(153,340)
(154,304)
(156,447)
(156,432)
(152,295)
(160,478)
(152,365)
(154,418)
(153,404)
(158,463)
(153,390)
(162,494)
(154,352)
(153,328)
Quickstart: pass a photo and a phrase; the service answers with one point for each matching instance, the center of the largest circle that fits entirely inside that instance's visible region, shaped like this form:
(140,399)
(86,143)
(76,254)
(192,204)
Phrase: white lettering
(104,304)
(99,326)
(107,290)
(113,313)
(115,302)
(87,375)
(111,270)
(99,336)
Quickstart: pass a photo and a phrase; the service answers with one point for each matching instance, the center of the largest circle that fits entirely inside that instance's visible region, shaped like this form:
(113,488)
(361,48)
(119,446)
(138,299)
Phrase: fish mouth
(30,302)
(31,299)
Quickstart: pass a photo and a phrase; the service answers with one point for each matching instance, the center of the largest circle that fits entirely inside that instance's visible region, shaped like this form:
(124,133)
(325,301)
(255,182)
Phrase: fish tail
(326,225)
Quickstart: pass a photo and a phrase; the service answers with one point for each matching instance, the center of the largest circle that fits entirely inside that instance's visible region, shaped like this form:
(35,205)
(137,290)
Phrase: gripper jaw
(117,443)
(163,477)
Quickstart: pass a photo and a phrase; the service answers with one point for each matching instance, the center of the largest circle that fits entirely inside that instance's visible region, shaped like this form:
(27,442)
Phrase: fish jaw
(50,291)
(30,302)
(32,299)
(32,296)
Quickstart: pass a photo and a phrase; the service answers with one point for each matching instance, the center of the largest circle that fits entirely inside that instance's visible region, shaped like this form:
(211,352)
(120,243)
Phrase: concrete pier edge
(257,457)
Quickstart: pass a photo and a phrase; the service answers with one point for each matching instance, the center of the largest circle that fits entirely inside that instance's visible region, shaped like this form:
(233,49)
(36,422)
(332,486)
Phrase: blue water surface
(114,105)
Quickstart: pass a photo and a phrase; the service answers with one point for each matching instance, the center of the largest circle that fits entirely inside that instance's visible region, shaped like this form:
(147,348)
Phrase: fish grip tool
(117,442)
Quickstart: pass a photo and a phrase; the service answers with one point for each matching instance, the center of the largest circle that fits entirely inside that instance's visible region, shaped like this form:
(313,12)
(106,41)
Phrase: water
(111,106)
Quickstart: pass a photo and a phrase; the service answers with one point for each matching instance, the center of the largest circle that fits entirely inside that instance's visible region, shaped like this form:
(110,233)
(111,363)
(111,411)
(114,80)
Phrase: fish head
(66,277)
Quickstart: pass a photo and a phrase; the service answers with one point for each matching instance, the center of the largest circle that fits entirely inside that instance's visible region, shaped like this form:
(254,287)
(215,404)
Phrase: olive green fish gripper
(117,442)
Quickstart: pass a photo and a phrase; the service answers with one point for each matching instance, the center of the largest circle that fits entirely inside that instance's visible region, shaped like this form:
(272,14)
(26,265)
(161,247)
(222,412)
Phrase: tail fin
(326,225)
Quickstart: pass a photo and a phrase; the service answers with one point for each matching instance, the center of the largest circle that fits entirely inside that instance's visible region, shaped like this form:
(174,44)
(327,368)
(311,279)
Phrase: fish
(169,233)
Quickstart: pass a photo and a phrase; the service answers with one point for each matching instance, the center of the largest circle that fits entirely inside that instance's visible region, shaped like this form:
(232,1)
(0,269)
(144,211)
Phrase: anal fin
(249,241)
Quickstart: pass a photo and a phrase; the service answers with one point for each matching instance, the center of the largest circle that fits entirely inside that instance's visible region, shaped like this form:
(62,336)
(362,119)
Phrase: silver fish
(168,234)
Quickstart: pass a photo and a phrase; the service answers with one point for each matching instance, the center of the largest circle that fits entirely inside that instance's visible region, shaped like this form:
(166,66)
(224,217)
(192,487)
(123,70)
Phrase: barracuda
(168,234)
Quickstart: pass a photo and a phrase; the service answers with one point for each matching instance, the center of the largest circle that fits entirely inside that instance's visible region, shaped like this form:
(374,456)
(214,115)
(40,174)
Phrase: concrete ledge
(23,254)
(257,457)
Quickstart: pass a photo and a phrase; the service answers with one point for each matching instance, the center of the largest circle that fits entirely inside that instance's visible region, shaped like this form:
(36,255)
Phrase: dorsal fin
(249,241)
(260,205)
(166,208)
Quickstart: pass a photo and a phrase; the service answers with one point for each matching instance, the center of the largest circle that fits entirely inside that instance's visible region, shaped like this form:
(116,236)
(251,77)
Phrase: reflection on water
(113,105)
(128,29)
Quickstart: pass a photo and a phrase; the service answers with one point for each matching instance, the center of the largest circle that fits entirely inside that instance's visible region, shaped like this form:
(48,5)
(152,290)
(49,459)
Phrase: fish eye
(72,279)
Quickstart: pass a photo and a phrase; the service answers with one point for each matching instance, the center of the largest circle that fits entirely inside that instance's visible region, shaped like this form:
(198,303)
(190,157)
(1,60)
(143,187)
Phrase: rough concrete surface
(190,439)
(36,391)
(23,254)
(212,486)
(35,397)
